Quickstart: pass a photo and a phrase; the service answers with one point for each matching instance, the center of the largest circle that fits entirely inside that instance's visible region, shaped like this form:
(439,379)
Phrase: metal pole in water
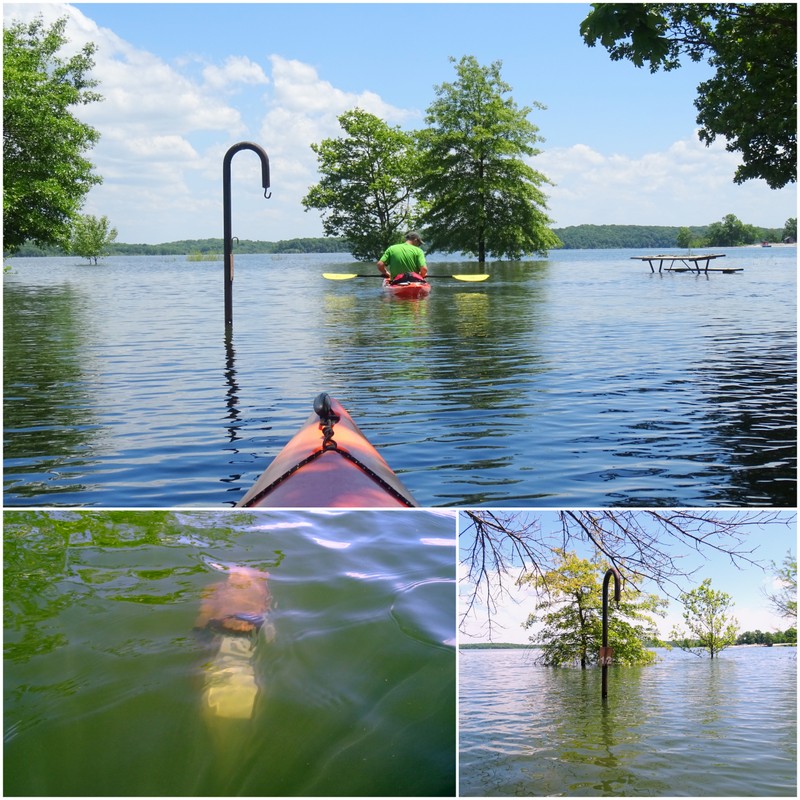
(606,653)
(226,215)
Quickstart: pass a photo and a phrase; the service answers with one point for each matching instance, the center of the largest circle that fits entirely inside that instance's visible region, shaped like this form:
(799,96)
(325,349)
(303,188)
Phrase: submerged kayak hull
(345,472)
(411,290)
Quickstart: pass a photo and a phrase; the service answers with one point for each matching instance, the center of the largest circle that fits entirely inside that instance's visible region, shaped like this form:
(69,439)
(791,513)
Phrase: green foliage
(790,229)
(789,636)
(570,606)
(365,189)
(205,247)
(731,232)
(45,176)
(91,237)
(480,195)
(751,101)
(587,237)
(706,617)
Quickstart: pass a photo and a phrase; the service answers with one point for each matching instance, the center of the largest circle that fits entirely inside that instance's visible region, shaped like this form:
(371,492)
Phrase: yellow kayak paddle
(346,276)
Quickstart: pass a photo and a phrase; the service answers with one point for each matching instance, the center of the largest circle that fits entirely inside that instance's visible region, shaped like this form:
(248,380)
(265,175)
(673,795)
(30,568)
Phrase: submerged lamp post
(226,212)
(606,653)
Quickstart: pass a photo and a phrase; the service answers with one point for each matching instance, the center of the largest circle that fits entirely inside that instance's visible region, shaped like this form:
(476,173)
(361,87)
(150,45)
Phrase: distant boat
(766,244)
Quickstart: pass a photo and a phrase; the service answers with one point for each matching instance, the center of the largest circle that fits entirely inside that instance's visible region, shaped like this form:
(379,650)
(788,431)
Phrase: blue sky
(745,584)
(185,81)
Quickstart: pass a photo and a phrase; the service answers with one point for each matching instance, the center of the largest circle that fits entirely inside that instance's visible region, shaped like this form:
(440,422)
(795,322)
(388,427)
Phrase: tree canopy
(751,101)
(730,232)
(91,237)
(706,617)
(365,188)
(569,607)
(45,173)
(480,195)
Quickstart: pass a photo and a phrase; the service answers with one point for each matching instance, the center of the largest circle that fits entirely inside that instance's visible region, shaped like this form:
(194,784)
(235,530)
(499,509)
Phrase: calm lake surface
(104,674)
(684,726)
(582,380)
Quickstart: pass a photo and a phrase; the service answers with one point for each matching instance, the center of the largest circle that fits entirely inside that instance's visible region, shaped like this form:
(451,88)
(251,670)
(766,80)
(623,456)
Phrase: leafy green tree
(731,232)
(365,191)
(705,614)
(684,237)
(751,101)
(45,175)
(481,196)
(91,237)
(790,229)
(570,607)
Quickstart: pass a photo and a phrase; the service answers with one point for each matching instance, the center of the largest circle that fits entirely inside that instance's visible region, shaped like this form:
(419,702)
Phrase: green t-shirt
(405,257)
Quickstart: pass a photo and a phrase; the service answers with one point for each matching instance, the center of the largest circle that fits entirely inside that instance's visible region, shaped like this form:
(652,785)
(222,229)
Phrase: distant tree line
(730,232)
(203,247)
(575,237)
(789,636)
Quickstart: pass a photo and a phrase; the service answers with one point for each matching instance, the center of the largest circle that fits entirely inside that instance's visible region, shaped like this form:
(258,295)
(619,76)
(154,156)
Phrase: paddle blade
(472,278)
(339,276)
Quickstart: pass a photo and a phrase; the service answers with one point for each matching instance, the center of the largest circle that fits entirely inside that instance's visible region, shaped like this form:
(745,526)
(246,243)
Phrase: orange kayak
(328,464)
(412,289)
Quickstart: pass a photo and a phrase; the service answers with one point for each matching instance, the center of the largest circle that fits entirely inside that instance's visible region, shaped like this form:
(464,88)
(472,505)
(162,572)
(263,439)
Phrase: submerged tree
(365,189)
(45,174)
(91,237)
(751,101)
(706,617)
(481,195)
(570,606)
(497,547)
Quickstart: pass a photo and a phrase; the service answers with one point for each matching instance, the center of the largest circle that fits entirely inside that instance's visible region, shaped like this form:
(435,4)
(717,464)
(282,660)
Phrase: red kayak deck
(328,467)
(412,289)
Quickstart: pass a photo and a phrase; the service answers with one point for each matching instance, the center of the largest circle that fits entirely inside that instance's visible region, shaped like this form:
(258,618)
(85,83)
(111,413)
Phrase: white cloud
(236,70)
(686,184)
(165,128)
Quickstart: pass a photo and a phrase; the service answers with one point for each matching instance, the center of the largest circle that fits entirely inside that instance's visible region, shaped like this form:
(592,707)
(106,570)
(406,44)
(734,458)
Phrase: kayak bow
(328,464)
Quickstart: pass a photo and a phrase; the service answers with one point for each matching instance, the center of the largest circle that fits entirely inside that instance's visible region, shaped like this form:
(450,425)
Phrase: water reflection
(47,389)
(750,395)
(571,382)
(232,393)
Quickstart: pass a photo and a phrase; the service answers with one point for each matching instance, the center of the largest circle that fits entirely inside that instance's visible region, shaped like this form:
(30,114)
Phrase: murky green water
(106,679)
(684,726)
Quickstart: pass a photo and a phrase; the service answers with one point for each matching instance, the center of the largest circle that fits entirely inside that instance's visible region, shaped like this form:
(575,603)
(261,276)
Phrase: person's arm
(383,268)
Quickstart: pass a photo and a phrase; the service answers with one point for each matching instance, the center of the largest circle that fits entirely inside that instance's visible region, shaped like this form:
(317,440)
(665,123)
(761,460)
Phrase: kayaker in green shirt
(404,262)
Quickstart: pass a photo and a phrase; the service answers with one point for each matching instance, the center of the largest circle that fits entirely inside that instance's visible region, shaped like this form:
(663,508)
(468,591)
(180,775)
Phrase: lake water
(105,678)
(685,726)
(581,380)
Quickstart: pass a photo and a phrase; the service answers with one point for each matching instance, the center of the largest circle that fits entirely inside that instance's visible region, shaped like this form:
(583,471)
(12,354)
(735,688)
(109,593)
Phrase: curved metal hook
(604,653)
(226,214)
